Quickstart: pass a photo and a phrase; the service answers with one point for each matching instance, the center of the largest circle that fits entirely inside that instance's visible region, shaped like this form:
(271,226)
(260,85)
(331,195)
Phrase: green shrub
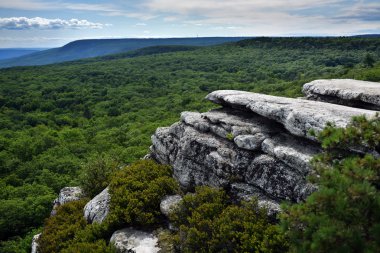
(208,223)
(68,231)
(96,174)
(17,244)
(99,246)
(59,230)
(136,192)
(343,215)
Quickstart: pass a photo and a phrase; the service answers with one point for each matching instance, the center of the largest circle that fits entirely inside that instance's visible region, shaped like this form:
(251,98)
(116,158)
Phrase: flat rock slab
(296,115)
(362,94)
(130,240)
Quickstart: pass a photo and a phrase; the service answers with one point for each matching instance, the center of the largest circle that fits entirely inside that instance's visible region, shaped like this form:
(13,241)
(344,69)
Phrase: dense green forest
(57,119)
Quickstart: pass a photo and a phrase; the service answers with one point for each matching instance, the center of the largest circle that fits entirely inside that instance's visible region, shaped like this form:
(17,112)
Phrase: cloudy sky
(51,23)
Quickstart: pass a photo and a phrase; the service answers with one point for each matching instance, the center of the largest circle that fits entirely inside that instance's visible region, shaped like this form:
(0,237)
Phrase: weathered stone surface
(69,194)
(66,195)
(35,243)
(296,115)
(168,203)
(277,179)
(200,158)
(130,240)
(272,207)
(361,94)
(256,145)
(243,191)
(250,142)
(291,150)
(96,210)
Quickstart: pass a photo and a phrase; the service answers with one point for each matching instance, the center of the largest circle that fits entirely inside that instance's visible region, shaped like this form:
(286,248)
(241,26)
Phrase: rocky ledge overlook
(260,145)
(254,145)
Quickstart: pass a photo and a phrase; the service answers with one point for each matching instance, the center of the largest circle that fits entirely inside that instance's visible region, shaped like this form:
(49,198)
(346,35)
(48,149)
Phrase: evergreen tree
(343,215)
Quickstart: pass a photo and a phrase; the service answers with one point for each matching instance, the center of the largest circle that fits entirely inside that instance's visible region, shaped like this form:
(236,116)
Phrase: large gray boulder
(35,243)
(96,210)
(66,195)
(298,116)
(130,240)
(361,94)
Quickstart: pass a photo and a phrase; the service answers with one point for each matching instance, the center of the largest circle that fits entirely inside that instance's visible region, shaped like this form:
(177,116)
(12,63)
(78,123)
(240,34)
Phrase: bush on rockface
(343,215)
(68,231)
(208,223)
(96,174)
(136,192)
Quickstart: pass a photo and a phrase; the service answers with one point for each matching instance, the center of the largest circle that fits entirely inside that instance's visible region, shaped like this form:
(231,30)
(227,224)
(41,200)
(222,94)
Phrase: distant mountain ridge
(99,47)
(8,53)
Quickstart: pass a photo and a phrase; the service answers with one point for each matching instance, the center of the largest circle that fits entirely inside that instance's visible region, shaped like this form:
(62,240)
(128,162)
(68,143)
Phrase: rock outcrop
(255,145)
(130,240)
(360,94)
(298,116)
(96,210)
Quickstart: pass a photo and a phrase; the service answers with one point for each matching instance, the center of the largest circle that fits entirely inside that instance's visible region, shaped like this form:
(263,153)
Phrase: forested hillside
(80,49)
(55,119)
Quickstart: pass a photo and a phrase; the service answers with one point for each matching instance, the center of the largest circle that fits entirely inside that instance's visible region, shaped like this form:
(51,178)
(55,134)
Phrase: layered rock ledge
(255,145)
(360,94)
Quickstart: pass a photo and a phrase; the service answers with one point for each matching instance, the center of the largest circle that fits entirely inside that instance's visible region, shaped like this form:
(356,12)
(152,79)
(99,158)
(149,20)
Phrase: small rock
(250,142)
(35,243)
(168,203)
(66,195)
(96,210)
(273,208)
(130,240)
(69,194)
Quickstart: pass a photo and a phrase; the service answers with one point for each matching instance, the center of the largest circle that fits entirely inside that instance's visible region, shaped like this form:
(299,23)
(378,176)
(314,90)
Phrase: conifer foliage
(343,215)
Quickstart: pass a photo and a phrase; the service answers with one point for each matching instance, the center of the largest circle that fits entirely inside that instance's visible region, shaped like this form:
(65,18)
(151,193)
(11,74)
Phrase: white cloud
(272,17)
(26,5)
(23,23)
(38,5)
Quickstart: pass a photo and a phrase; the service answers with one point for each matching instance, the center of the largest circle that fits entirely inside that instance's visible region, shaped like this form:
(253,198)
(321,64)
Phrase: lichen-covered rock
(168,203)
(35,243)
(66,195)
(250,142)
(96,210)
(205,157)
(360,94)
(293,151)
(277,179)
(130,240)
(296,115)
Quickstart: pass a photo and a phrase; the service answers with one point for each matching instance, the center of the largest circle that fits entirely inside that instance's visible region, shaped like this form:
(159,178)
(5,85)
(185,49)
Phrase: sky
(53,23)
